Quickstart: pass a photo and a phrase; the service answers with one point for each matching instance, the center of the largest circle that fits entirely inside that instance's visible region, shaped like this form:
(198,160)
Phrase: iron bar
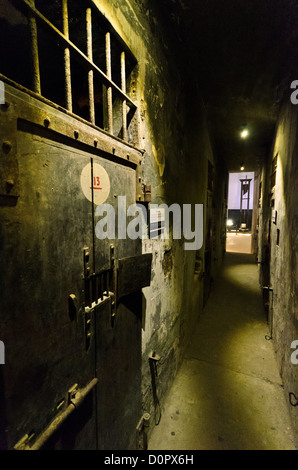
(67,71)
(56,423)
(123,88)
(80,55)
(101,286)
(107,142)
(109,89)
(76,398)
(90,72)
(34,49)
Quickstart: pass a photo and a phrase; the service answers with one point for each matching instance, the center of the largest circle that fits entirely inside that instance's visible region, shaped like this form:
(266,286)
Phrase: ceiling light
(244,133)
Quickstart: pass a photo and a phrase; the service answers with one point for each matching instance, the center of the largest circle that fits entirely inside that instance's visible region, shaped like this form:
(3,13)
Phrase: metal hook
(291,396)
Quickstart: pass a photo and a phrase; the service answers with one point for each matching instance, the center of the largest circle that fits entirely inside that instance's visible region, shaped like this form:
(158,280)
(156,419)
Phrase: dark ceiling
(244,56)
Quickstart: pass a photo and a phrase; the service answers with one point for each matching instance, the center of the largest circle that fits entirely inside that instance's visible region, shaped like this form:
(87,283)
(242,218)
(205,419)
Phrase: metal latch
(99,288)
(73,399)
(123,277)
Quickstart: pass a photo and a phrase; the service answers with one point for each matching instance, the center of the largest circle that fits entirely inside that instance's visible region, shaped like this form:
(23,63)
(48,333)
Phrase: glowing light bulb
(244,133)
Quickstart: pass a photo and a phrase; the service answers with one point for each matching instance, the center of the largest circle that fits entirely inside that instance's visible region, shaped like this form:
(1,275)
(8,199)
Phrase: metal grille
(74,39)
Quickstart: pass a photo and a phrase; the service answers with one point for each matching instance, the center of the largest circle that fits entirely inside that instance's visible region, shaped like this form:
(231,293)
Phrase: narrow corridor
(228,394)
(140,140)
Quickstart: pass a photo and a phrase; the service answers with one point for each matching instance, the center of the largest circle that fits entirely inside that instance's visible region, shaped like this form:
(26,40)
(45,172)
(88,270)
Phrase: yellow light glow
(244,133)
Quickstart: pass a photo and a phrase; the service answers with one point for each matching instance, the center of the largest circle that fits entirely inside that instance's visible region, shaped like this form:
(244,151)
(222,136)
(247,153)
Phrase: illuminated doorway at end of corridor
(239,212)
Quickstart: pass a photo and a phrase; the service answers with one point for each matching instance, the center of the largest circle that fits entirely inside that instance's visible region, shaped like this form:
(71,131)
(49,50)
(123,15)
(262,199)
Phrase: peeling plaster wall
(281,272)
(174,135)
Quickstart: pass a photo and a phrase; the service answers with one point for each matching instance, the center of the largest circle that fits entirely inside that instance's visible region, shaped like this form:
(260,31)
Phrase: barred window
(67,52)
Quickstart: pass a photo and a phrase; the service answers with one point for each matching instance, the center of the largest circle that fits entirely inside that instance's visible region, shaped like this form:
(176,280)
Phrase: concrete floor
(228,393)
(238,242)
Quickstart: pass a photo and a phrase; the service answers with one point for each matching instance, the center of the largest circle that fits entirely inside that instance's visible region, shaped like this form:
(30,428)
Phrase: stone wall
(174,135)
(278,246)
(42,227)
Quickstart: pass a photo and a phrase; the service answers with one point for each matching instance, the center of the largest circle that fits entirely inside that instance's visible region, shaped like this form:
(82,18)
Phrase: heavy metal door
(70,321)
(270,214)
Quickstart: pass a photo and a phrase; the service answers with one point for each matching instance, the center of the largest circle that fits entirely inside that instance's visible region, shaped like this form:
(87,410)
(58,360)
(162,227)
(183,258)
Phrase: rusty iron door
(70,325)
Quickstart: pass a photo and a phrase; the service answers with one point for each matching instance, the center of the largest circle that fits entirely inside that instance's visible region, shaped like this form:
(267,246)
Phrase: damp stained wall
(278,246)
(181,168)
(177,148)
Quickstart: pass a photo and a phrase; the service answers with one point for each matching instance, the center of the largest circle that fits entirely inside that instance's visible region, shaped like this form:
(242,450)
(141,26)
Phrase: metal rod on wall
(109,89)
(75,399)
(85,61)
(123,87)
(90,72)
(67,72)
(34,51)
